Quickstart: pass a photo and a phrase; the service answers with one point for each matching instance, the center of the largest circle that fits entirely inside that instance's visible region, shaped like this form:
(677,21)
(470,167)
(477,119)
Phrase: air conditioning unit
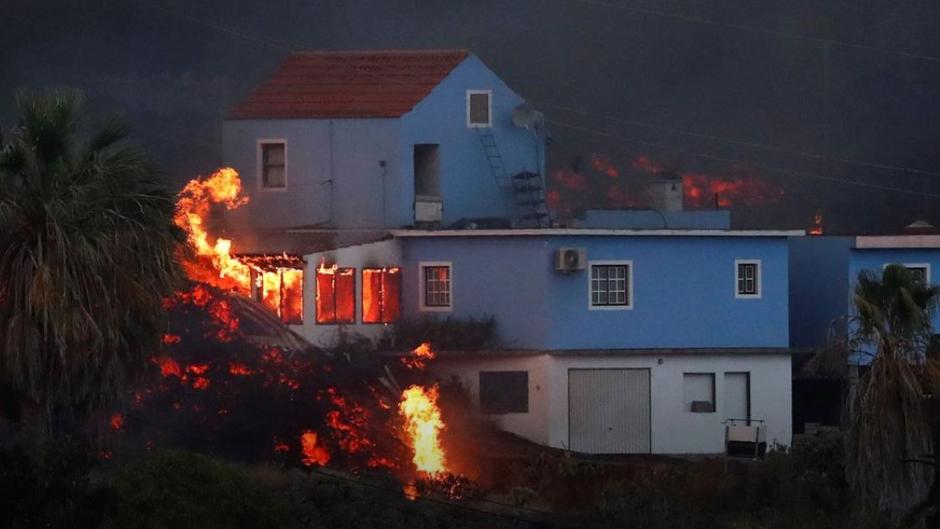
(570,259)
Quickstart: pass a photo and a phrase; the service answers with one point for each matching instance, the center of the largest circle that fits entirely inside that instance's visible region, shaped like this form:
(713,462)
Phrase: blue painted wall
(334,177)
(719,219)
(468,187)
(819,286)
(683,290)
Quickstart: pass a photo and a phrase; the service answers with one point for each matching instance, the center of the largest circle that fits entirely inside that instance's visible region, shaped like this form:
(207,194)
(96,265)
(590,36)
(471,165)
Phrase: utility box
(428,209)
(666,193)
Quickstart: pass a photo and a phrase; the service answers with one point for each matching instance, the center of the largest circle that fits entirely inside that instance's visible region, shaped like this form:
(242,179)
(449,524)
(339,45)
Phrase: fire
(421,355)
(192,210)
(817,228)
(117,422)
(423,425)
(313,454)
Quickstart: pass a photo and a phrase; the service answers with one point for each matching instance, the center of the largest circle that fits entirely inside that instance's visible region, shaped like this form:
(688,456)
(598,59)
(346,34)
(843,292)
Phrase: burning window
(479,109)
(273,165)
(336,295)
(610,285)
(277,281)
(747,279)
(435,286)
(381,293)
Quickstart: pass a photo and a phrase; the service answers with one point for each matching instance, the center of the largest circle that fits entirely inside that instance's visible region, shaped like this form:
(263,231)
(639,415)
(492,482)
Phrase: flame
(744,188)
(817,228)
(192,210)
(312,454)
(117,422)
(168,366)
(421,355)
(423,425)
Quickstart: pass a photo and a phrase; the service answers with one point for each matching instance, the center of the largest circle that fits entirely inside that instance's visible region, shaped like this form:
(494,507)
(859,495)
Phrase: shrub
(445,334)
(180,490)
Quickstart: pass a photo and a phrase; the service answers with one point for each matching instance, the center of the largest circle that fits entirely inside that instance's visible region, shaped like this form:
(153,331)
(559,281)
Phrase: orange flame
(422,354)
(192,210)
(817,228)
(117,422)
(313,454)
(423,425)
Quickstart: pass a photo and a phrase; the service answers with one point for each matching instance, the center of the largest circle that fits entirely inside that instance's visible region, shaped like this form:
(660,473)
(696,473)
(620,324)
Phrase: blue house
(411,185)
(825,270)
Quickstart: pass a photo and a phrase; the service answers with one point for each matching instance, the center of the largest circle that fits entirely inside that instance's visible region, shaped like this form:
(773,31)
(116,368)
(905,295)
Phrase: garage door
(609,411)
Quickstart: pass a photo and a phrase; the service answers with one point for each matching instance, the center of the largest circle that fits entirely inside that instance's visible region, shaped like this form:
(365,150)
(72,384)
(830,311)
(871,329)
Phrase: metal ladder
(527,187)
(494,158)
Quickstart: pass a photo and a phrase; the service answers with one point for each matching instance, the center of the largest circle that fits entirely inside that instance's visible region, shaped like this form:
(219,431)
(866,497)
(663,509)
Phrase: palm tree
(888,422)
(88,251)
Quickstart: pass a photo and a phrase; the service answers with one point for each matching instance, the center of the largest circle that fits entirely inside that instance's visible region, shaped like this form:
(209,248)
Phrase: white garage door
(609,411)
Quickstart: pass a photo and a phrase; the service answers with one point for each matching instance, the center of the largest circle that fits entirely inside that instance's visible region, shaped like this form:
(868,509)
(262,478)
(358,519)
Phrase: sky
(786,108)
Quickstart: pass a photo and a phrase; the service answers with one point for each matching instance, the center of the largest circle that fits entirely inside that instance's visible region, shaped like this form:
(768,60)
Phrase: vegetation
(89,253)
(888,424)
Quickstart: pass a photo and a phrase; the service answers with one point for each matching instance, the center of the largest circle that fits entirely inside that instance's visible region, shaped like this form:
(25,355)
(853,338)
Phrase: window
(920,271)
(698,392)
(427,167)
(336,295)
(435,287)
(280,290)
(504,392)
(747,279)
(381,293)
(479,108)
(611,285)
(273,164)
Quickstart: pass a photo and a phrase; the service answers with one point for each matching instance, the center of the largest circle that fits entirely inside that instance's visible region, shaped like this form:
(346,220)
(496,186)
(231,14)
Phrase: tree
(88,251)
(888,423)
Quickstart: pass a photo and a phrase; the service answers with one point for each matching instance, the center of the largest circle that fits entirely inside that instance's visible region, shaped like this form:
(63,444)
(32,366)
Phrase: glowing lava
(817,228)
(423,425)
(312,454)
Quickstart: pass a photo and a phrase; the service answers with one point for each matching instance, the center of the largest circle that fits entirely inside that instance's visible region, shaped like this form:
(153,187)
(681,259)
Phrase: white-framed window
(920,271)
(479,108)
(435,286)
(610,285)
(272,164)
(747,279)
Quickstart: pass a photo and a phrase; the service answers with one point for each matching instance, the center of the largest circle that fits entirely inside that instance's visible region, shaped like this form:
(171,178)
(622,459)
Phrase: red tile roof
(348,84)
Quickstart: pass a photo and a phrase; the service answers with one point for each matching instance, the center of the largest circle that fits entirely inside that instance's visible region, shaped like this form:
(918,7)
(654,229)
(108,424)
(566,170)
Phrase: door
(609,411)
(737,402)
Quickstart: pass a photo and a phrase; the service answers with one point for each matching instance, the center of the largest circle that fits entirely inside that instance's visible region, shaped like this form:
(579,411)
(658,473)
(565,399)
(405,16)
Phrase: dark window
(381,292)
(699,392)
(748,281)
(427,165)
(919,273)
(504,392)
(273,165)
(436,286)
(610,285)
(336,295)
(478,109)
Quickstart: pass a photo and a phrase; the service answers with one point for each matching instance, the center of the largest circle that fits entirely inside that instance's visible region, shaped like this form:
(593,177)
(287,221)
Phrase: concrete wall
(683,290)
(468,187)
(372,255)
(674,430)
(333,172)
(819,286)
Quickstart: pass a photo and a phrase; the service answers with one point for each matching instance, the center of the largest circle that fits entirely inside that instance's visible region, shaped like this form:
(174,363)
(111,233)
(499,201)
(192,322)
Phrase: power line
(782,170)
(760,30)
(744,143)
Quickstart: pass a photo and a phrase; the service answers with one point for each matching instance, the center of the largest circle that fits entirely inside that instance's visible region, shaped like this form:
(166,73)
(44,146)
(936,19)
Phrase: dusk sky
(831,108)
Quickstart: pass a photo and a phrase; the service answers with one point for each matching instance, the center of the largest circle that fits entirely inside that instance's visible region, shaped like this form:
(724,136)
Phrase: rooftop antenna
(525,116)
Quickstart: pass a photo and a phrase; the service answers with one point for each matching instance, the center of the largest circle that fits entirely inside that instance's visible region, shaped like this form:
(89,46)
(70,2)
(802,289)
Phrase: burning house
(400,189)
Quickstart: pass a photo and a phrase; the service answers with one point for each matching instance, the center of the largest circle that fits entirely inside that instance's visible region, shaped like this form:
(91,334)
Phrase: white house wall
(371,255)
(674,429)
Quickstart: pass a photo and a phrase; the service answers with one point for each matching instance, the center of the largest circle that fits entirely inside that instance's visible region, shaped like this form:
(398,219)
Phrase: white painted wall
(534,425)
(674,429)
(371,255)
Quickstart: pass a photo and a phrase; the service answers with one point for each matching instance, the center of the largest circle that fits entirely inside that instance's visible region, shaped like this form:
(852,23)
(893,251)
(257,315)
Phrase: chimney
(666,192)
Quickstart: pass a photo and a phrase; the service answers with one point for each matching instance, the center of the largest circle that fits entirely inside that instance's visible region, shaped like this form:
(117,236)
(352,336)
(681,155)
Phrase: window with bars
(273,165)
(436,286)
(747,279)
(336,295)
(610,285)
(381,293)
(919,273)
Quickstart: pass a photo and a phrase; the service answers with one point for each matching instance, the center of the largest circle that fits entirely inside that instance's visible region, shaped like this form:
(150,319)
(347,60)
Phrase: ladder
(494,158)
(527,188)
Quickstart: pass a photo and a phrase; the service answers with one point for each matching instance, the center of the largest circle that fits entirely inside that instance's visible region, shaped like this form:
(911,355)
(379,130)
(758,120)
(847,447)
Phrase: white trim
(758,279)
(897,241)
(595,232)
(629,283)
(260,163)
(421,266)
(926,266)
(489,120)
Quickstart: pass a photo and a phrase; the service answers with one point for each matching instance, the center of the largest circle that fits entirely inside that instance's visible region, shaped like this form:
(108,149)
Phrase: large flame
(423,424)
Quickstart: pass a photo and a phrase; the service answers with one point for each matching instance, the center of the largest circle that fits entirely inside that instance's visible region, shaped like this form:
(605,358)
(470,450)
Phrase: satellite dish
(525,116)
